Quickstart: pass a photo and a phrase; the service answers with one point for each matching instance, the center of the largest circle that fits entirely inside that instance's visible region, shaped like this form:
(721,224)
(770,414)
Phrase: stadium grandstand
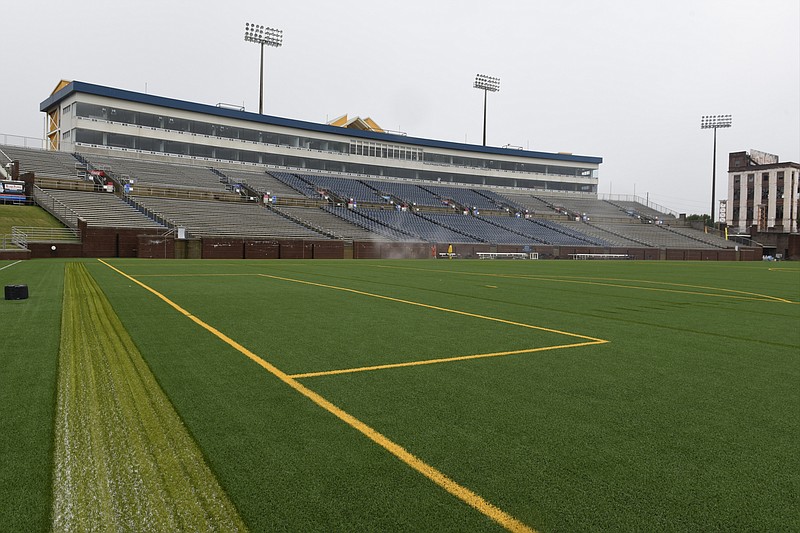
(118,162)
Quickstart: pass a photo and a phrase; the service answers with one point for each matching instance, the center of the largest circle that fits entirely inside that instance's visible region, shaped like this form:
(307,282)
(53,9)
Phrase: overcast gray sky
(625,80)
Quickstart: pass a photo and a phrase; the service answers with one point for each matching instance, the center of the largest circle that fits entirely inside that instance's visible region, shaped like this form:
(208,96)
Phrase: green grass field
(447,395)
(26,215)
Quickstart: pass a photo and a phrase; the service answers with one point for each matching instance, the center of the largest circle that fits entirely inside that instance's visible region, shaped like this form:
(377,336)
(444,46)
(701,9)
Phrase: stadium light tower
(255,33)
(714,122)
(486,84)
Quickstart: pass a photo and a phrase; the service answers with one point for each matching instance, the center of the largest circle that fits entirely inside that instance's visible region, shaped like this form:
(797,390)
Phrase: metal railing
(21,140)
(22,235)
(7,243)
(744,241)
(638,200)
(157,216)
(55,207)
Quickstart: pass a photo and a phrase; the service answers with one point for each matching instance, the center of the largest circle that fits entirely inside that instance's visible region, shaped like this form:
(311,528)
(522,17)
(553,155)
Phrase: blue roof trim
(121,94)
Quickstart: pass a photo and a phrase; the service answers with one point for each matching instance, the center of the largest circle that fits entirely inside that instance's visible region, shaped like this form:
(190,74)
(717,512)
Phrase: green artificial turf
(28,360)
(687,418)
(287,464)
(122,458)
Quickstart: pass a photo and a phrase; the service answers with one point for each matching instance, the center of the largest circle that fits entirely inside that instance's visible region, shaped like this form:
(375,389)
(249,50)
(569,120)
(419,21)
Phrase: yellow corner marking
(459,491)
(442,360)
(434,307)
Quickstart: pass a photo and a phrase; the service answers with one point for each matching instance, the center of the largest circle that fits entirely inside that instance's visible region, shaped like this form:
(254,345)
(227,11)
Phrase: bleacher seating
(547,232)
(641,209)
(338,225)
(45,163)
(700,237)
(421,228)
(478,228)
(571,234)
(607,224)
(102,209)
(593,208)
(593,230)
(501,201)
(210,218)
(372,225)
(408,193)
(344,188)
(658,236)
(158,173)
(463,197)
(296,183)
(529,202)
(262,182)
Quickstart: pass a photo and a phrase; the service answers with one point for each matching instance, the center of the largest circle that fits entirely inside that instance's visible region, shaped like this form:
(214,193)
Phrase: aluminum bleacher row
(502,201)
(591,208)
(298,184)
(101,209)
(158,173)
(345,188)
(464,197)
(549,232)
(707,238)
(262,182)
(654,235)
(333,223)
(210,218)
(417,226)
(386,191)
(592,230)
(45,163)
(434,210)
(527,201)
(479,229)
(360,218)
(406,192)
(636,208)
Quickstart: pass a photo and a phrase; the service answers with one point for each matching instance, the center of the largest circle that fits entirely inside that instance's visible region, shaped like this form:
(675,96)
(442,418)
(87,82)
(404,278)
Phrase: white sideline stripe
(11,265)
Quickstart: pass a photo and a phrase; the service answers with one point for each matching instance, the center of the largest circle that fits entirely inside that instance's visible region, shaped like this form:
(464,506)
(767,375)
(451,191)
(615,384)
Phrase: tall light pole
(487,84)
(714,122)
(254,33)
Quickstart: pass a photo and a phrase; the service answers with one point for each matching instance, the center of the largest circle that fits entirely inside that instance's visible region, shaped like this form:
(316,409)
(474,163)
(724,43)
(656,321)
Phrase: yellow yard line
(434,307)
(189,275)
(442,360)
(721,289)
(749,296)
(459,491)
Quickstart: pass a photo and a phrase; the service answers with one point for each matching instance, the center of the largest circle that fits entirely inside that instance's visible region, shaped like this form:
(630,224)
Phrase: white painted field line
(11,265)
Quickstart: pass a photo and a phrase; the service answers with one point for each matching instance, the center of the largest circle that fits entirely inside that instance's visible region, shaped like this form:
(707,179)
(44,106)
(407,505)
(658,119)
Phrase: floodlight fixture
(714,122)
(487,84)
(262,35)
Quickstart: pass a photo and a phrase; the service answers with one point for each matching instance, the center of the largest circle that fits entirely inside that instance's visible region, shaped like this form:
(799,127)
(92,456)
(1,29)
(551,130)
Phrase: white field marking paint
(11,265)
